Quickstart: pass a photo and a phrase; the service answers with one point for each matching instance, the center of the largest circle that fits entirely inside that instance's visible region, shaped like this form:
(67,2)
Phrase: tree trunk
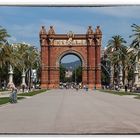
(112,75)
(126,76)
(30,79)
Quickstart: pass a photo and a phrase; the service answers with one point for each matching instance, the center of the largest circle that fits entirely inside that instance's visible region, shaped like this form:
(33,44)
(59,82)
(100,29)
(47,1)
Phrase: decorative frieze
(73,42)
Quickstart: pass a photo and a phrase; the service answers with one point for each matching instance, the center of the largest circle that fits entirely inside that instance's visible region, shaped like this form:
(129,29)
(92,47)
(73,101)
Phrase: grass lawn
(32,93)
(121,93)
(137,97)
(5,100)
(1,90)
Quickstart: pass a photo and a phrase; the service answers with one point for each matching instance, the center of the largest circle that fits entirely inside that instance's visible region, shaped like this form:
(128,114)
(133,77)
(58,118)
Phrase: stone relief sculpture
(51,32)
(43,42)
(98,41)
(70,38)
(90,41)
(51,41)
(70,41)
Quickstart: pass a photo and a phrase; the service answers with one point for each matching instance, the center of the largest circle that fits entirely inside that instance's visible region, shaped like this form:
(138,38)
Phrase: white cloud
(117,11)
(25,30)
(27,33)
(63,27)
(12,39)
(30,32)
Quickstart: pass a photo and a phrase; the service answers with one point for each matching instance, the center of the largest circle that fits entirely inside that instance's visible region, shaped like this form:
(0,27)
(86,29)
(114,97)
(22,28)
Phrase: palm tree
(4,51)
(3,35)
(136,41)
(22,56)
(116,47)
(136,47)
(32,63)
(3,43)
(13,62)
(128,63)
(28,58)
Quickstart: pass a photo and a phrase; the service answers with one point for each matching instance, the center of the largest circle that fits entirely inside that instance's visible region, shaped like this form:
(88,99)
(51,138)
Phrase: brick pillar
(91,63)
(57,75)
(44,58)
(84,76)
(44,67)
(98,38)
(98,67)
(54,77)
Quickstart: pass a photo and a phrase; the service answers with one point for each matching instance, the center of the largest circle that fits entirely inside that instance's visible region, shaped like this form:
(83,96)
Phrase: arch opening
(70,69)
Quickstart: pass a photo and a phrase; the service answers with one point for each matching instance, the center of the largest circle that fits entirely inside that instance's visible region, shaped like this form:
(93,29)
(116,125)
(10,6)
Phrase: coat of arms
(70,36)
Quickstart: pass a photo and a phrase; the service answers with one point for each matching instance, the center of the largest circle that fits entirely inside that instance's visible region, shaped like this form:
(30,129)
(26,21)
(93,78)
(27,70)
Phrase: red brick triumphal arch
(55,46)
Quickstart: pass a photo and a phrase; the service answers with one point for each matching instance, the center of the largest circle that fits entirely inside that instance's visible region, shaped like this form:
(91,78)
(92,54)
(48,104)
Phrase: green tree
(105,68)
(135,45)
(77,73)
(3,45)
(116,49)
(3,54)
(20,57)
(28,59)
(3,35)
(136,36)
(62,73)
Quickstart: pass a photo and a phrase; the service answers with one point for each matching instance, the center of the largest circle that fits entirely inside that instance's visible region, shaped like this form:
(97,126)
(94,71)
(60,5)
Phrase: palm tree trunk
(136,72)
(126,76)
(29,79)
(0,83)
(112,75)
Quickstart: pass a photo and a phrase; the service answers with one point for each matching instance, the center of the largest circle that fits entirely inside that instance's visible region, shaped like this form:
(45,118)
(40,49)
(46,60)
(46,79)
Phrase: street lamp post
(120,75)
(23,78)
(75,75)
(136,72)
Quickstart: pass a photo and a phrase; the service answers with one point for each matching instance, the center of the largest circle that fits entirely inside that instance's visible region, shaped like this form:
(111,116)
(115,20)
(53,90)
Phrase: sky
(24,23)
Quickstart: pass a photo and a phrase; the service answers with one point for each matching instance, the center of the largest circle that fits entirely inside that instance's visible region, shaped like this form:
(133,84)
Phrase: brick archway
(86,46)
(78,54)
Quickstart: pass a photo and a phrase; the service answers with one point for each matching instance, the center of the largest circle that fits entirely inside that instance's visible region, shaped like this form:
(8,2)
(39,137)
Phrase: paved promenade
(71,112)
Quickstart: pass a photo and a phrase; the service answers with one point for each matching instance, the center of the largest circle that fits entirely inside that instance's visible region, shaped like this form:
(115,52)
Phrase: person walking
(125,88)
(23,88)
(13,96)
(86,87)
